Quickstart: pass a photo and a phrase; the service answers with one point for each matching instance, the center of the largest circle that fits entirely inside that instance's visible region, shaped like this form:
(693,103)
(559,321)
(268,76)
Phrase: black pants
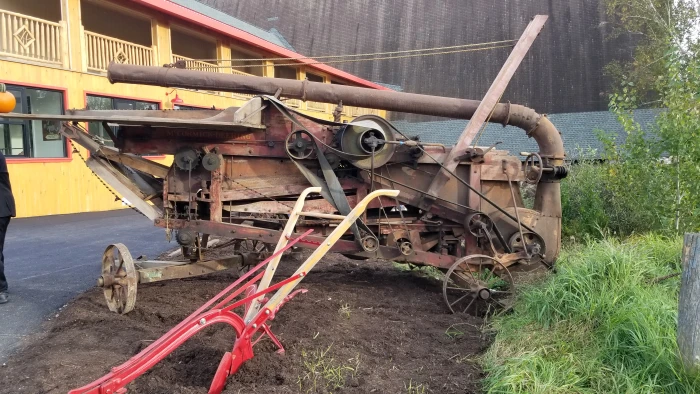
(4,222)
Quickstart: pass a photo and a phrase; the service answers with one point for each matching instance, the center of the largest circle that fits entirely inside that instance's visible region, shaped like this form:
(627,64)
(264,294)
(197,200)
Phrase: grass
(413,388)
(597,326)
(424,271)
(325,374)
(345,310)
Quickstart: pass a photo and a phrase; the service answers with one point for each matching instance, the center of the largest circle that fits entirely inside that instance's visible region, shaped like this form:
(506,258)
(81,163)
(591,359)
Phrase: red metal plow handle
(205,316)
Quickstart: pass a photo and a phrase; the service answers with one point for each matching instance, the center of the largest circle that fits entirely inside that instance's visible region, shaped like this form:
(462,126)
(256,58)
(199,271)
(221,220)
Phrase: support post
(269,69)
(161,42)
(485,108)
(688,335)
(223,53)
(74,36)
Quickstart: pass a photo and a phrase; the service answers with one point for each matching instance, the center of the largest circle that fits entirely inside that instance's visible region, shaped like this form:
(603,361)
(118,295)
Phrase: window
(285,72)
(33,138)
(187,107)
(108,103)
(314,78)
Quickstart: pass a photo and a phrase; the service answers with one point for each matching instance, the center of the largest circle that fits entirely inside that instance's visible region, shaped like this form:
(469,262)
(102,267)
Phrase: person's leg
(4,222)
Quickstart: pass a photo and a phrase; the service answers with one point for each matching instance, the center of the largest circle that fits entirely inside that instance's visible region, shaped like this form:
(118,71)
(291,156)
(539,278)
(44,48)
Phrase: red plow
(258,309)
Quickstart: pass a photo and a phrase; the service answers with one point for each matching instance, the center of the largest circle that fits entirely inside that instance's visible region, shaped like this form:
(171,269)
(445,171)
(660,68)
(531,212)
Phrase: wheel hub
(484,293)
(477,284)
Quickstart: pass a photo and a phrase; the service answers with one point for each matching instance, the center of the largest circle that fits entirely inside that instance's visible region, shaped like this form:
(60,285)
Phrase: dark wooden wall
(562,73)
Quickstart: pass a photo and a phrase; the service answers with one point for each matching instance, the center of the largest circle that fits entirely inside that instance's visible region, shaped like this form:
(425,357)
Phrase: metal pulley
(362,135)
(299,145)
(187,159)
(186,237)
(212,161)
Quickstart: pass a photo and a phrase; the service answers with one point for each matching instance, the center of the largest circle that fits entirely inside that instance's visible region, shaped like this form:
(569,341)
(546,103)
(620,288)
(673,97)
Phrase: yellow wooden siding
(50,188)
(63,186)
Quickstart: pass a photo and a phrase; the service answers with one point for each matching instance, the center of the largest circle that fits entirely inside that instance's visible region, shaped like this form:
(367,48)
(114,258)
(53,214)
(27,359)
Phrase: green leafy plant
(598,326)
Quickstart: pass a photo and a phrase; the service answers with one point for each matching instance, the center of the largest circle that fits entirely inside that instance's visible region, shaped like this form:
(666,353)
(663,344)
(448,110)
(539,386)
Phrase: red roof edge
(185,13)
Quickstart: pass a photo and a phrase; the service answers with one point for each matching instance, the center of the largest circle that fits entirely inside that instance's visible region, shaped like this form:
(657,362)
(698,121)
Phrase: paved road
(50,260)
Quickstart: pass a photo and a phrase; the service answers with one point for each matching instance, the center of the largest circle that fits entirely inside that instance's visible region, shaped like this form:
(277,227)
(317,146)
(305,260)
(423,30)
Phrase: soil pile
(363,327)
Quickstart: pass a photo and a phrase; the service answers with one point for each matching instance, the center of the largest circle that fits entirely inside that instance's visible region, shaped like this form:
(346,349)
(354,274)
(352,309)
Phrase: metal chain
(117,197)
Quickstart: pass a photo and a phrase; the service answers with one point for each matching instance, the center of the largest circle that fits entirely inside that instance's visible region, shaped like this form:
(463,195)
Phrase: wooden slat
(3,27)
(103,49)
(46,46)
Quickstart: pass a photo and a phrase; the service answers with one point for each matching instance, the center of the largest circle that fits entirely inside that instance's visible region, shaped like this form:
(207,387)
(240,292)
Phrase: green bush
(620,198)
(583,204)
(597,326)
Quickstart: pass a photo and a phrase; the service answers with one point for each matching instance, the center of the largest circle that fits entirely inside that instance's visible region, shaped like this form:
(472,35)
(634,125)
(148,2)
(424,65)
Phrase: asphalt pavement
(49,260)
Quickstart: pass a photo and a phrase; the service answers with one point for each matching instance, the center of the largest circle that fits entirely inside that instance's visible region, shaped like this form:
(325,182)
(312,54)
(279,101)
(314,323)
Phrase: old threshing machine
(367,191)
(237,173)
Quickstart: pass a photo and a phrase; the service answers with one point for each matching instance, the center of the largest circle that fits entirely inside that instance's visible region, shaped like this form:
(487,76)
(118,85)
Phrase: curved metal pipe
(536,125)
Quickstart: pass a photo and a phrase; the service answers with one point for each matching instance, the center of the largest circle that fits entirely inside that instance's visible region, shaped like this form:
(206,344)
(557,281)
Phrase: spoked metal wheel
(478,285)
(119,279)
(260,249)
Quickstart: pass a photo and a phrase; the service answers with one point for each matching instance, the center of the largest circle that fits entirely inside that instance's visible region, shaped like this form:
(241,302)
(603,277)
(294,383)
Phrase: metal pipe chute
(536,125)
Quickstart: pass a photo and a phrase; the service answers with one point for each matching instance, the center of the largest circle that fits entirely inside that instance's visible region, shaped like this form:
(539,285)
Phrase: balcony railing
(315,106)
(32,38)
(199,65)
(196,64)
(357,111)
(101,50)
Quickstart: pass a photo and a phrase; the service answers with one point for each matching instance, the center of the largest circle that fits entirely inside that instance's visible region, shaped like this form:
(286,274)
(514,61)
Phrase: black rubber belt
(331,189)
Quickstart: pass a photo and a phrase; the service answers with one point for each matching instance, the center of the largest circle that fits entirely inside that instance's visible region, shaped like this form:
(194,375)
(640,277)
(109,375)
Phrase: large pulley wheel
(533,244)
(355,141)
(533,168)
(300,145)
(478,285)
(119,279)
(479,224)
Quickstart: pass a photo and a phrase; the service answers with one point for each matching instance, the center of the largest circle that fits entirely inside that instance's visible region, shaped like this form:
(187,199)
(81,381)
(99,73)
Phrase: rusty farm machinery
(368,191)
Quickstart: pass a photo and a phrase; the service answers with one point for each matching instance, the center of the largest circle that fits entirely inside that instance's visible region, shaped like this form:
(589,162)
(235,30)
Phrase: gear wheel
(211,161)
(187,159)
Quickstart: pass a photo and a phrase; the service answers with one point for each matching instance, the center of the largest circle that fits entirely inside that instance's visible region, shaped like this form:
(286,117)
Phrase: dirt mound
(363,327)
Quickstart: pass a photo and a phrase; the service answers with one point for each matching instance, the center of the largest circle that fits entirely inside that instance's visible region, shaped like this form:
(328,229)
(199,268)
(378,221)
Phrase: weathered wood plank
(689,304)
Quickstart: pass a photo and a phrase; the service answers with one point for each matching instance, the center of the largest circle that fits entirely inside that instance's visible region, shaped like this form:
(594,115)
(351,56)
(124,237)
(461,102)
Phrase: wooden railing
(32,38)
(193,64)
(294,103)
(196,64)
(315,106)
(357,111)
(101,50)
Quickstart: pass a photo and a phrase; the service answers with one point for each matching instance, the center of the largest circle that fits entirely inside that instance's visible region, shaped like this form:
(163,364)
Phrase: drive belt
(331,189)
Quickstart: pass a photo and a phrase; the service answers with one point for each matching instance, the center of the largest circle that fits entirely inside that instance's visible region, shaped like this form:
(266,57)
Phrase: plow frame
(258,309)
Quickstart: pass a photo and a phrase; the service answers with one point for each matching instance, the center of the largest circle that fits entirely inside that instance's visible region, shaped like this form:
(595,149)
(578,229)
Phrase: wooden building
(54,55)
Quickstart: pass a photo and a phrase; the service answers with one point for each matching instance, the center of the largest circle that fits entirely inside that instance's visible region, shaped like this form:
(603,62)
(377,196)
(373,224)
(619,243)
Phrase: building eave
(180,12)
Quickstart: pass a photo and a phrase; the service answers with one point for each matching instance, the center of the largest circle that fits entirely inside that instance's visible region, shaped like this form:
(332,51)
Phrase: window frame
(68,152)
(159,103)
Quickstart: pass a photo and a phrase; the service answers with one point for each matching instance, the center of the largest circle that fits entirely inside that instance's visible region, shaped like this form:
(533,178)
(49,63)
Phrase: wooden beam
(121,185)
(135,162)
(127,119)
(485,107)
(688,335)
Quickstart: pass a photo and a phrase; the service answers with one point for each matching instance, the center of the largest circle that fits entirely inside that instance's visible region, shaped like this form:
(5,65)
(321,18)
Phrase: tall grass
(585,207)
(598,326)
